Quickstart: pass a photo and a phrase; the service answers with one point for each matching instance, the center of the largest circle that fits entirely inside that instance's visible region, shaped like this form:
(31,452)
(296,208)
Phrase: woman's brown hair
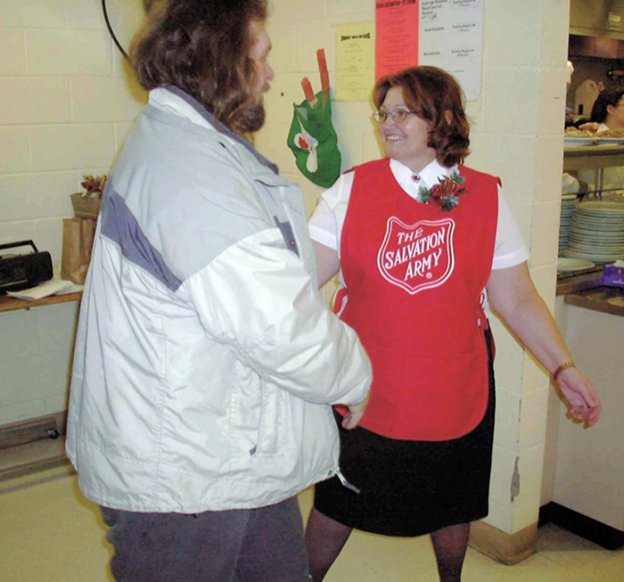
(203,48)
(436,97)
(600,109)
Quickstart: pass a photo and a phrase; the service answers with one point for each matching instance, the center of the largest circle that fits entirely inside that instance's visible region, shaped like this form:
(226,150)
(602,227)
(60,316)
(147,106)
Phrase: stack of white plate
(597,232)
(568,203)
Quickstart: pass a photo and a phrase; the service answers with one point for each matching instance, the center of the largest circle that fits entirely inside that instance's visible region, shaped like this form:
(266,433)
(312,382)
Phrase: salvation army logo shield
(419,256)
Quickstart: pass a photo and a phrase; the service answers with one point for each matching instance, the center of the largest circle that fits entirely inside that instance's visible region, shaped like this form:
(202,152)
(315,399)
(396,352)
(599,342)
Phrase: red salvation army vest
(414,276)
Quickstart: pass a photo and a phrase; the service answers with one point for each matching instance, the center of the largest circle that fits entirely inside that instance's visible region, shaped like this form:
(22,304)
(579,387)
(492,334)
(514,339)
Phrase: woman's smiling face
(405,141)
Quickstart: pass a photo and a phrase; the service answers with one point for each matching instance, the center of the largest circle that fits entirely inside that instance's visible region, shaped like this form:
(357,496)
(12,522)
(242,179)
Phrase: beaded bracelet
(561,368)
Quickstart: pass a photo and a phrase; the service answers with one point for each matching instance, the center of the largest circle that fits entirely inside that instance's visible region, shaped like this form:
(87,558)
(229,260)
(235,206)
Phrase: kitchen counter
(586,290)
(573,283)
(588,488)
(604,299)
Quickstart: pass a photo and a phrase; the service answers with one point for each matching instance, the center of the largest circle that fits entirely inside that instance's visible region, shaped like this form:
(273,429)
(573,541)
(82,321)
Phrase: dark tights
(449,545)
(325,539)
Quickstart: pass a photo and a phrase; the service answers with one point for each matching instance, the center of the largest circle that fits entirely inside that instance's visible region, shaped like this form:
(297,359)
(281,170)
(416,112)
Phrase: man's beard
(252,118)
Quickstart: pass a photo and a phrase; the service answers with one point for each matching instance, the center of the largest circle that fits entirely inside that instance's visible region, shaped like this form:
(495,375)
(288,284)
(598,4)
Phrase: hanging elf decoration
(312,138)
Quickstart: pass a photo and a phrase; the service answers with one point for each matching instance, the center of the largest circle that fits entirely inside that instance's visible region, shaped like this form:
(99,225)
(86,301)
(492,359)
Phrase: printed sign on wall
(355,61)
(443,33)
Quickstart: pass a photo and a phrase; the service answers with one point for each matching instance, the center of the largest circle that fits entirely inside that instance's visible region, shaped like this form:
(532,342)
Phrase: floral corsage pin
(445,193)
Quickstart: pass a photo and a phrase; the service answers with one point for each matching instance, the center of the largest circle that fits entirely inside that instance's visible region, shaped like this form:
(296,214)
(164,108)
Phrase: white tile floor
(48,531)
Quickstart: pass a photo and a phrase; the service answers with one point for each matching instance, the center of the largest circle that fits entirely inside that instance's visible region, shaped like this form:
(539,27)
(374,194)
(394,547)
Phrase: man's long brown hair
(203,48)
(436,97)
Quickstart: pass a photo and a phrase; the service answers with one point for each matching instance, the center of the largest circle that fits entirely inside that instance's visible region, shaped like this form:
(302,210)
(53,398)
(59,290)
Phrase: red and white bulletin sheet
(443,33)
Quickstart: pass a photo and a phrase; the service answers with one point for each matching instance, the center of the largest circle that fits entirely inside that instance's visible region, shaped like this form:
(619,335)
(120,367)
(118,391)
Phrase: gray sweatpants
(251,545)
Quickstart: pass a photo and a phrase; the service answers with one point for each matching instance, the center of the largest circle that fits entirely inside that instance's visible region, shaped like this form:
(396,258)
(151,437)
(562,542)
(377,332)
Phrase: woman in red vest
(423,245)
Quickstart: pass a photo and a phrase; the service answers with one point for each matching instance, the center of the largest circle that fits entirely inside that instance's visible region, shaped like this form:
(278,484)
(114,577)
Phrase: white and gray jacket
(205,358)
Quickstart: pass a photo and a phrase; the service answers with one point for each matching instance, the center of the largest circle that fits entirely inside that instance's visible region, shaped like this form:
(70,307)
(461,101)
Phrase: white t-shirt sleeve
(327,221)
(509,249)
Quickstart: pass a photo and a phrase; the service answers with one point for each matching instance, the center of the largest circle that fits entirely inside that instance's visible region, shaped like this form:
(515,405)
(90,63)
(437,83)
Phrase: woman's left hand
(582,395)
(514,297)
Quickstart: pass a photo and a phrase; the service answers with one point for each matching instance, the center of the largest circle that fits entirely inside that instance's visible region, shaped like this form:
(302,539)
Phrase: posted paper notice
(443,33)
(355,61)
(451,37)
(397,35)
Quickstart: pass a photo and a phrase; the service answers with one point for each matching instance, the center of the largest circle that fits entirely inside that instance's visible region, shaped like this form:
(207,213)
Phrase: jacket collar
(220,127)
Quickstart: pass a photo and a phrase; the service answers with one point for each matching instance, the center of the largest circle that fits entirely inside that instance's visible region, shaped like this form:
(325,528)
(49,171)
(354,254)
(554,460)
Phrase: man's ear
(610,109)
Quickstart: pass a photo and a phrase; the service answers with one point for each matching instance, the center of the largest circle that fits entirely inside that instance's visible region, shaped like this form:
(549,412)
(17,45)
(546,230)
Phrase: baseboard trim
(36,466)
(505,548)
(545,515)
(33,429)
(28,431)
(604,535)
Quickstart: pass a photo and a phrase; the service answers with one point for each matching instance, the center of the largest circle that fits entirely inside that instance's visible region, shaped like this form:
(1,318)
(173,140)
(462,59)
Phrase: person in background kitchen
(607,115)
(569,109)
(205,359)
(423,245)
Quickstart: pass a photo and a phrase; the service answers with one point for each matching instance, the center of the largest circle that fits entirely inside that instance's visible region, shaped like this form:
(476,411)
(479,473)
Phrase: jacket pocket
(255,416)
(270,420)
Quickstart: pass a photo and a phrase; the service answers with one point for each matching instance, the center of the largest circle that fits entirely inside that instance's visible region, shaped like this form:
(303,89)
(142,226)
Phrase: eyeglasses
(398,115)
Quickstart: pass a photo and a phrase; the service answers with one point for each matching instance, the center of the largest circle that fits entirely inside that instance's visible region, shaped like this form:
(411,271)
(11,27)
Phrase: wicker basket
(85,206)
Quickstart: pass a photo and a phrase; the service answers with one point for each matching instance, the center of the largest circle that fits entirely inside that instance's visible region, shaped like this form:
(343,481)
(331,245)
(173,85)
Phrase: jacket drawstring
(346,483)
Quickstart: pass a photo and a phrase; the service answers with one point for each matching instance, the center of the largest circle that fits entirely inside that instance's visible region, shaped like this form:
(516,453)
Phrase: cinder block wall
(66,104)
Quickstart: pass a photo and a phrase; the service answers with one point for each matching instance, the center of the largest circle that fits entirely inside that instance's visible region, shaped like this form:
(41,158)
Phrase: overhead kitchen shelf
(593,157)
(601,18)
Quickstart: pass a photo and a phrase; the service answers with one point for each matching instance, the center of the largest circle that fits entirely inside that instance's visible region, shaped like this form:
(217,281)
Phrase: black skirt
(410,488)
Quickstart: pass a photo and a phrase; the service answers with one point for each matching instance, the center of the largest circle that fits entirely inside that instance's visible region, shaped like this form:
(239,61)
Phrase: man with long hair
(206,361)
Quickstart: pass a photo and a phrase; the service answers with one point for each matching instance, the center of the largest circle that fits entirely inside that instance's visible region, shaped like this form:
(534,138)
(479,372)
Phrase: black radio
(24,271)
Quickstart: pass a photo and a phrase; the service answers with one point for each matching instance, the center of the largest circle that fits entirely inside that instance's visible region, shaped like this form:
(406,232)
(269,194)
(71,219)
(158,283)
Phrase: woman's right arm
(326,225)
(327,263)
(327,267)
